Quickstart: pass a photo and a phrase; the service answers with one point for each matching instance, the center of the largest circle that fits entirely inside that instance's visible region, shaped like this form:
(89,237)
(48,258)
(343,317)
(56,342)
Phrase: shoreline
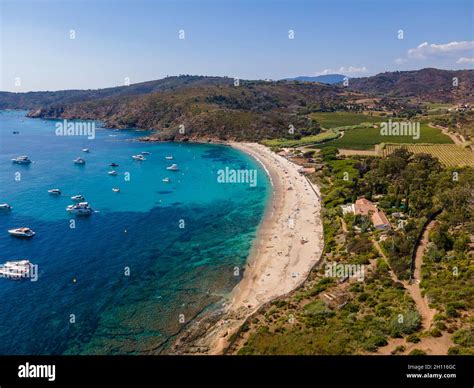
(288,244)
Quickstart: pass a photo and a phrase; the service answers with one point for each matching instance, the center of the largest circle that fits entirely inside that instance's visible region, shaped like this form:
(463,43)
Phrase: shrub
(363,297)
(452,312)
(413,338)
(417,352)
(406,323)
(398,349)
(435,332)
(373,343)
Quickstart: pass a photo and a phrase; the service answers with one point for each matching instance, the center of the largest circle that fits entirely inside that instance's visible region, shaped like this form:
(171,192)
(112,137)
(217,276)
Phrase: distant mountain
(424,85)
(324,79)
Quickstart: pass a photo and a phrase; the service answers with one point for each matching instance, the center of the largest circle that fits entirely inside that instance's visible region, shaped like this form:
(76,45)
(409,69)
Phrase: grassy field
(341,119)
(306,140)
(366,138)
(449,155)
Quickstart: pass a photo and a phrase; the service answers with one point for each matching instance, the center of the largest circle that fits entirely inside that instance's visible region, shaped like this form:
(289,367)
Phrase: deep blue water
(173,270)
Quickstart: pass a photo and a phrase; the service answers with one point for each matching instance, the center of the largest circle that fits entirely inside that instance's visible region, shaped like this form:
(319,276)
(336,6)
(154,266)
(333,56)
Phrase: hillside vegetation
(202,108)
(250,111)
(432,85)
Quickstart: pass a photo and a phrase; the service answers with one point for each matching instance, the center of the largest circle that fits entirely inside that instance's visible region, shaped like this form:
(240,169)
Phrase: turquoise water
(180,241)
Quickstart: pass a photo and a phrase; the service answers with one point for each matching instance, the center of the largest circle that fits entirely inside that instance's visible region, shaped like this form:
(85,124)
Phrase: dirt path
(445,130)
(427,313)
(413,287)
(346,152)
(430,345)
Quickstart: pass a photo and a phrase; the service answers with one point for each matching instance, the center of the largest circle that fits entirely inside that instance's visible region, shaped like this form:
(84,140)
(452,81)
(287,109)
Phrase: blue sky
(245,39)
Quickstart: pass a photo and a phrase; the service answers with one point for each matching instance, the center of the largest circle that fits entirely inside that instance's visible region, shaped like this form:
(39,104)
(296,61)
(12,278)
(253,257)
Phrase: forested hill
(35,100)
(252,110)
(432,85)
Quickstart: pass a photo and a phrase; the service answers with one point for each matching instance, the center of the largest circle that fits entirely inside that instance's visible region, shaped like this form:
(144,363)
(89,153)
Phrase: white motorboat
(85,150)
(81,208)
(166,180)
(169,157)
(21,160)
(113,172)
(5,206)
(146,153)
(173,167)
(116,190)
(15,269)
(21,232)
(138,157)
(79,161)
(78,197)
(54,191)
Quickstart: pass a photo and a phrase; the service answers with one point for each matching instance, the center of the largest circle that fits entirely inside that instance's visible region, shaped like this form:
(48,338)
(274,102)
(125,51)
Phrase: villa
(363,206)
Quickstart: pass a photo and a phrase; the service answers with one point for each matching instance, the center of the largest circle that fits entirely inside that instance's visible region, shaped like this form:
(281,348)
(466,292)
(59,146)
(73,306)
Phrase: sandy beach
(290,238)
(289,243)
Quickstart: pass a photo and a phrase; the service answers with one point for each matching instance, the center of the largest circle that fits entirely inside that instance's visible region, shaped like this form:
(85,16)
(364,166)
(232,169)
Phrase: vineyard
(365,138)
(449,155)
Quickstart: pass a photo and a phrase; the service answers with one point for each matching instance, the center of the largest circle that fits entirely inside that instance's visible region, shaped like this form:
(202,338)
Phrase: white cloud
(351,70)
(465,60)
(401,61)
(426,50)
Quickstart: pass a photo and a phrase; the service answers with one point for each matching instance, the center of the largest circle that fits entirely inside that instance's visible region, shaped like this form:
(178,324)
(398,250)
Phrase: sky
(82,44)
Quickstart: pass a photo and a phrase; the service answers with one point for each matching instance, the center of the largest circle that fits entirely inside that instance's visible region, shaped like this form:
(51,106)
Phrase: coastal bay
(151,259)
(288,245)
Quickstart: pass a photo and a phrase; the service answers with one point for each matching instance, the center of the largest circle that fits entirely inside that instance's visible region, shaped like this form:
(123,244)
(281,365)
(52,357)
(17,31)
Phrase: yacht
(116,190)
(78,197)
(173,167)
(85,150)
(169,157)
(15,269)
(5,206)
(21,160)
(166,180)
(79,161)
(54,191)
(81,208)
(138,157)
(113,165)
(22,232)
(146,153)
(113,172)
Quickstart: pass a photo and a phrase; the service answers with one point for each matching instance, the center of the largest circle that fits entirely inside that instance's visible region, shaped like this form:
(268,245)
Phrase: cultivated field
(366,138)
(304,141)
(449,155)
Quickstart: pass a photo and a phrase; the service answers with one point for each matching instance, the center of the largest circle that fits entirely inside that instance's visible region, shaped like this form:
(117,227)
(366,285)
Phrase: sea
(151,258)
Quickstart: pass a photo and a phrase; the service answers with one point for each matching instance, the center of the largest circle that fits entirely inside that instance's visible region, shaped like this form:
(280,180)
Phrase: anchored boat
(22,160)
(22,232)
(15,269)
(81,209)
